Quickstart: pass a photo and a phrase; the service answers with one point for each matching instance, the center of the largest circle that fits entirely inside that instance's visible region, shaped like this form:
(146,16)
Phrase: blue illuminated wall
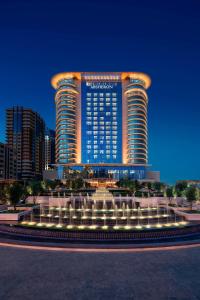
(101,122)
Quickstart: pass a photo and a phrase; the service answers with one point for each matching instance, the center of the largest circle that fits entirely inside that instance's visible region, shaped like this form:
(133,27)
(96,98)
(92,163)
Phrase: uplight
(105,227)
(158,225)
(93,227)
(138,227)
(31,223)
(127,227)
(50,225)
(70,226)
(116,227)
(58,226)
(81,226)
(148,226)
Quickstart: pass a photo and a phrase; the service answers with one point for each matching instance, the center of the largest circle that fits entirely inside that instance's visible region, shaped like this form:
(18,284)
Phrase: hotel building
(101,123)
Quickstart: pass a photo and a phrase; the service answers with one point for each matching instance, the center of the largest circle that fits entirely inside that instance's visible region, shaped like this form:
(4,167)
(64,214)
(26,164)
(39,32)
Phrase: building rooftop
(101,76)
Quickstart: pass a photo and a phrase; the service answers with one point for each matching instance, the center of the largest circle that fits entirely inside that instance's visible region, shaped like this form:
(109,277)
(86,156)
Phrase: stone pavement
(40,275)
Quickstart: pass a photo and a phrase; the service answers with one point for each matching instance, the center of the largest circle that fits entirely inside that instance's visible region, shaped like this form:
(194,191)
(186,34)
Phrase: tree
(169,192)
(192,195)
(77,183)
(132,187)
(85,171)
(34,189)
(149,185)
(180,188)
(2,194)
(159,187)
(48,184)
(14,193)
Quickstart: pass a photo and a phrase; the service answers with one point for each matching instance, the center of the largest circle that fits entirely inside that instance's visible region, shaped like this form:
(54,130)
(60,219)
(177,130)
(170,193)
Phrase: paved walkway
(33,274)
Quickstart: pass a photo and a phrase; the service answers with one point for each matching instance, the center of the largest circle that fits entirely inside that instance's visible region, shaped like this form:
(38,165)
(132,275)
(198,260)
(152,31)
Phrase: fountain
(158,220)
(70,224)
(84,203)
(123,211)
(133,204)
(84,216)
(127,210)
(148,219)
(113,205)
(65,215)
(104,206)
(116,217)
(138,226)
(127,217)
(104,222)
(32,222)
(71,210)
(104,212)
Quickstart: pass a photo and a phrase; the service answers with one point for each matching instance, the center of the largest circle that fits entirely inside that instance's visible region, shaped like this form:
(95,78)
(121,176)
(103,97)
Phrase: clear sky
(161,38)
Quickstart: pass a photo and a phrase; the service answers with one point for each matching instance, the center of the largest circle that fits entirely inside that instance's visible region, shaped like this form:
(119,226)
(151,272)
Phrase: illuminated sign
(101,85)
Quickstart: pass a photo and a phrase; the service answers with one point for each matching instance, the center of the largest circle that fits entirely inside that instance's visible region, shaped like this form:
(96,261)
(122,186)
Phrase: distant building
(153,176)
(49,148)
(101,123)
(50,174)
(25,135)
(7,163)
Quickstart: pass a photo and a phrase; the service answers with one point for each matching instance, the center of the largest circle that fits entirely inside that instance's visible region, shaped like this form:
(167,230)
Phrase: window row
(107,113)
(101,94)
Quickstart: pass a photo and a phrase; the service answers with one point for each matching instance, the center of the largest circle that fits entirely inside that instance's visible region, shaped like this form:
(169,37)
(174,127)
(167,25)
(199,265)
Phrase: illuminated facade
(101,122)
(25,135)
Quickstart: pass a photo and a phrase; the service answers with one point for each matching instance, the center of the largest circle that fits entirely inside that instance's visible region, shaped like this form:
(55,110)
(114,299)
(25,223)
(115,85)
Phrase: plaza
(152,275)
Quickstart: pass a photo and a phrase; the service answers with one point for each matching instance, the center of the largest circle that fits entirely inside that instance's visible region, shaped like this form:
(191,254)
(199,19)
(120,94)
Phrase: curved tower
(67,108)
(135,117)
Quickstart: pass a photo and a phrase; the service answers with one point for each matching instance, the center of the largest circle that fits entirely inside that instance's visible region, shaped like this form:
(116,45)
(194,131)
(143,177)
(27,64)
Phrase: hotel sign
(101,85)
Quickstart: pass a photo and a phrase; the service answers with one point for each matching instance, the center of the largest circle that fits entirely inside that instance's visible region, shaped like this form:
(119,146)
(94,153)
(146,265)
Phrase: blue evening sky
(161,38)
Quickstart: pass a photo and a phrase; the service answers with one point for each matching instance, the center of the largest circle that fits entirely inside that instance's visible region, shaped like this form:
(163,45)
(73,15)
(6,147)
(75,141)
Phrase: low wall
(144,202)
(188,216)
(12,216)
(46,200)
